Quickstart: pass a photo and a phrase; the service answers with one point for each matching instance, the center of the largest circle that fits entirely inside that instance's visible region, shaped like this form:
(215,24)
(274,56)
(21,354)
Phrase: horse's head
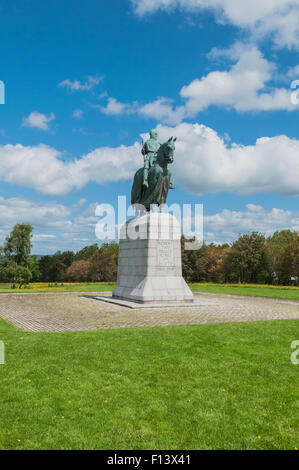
(166,152)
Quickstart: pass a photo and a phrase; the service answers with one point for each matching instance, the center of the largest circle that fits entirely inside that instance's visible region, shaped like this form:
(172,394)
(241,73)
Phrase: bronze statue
(151,183)
(149,151)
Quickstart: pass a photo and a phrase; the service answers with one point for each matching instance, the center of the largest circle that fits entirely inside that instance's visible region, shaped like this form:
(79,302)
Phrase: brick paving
(80,311)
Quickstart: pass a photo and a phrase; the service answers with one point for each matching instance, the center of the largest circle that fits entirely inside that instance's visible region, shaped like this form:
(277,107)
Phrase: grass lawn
(221,386)
(274,292)
(5,288)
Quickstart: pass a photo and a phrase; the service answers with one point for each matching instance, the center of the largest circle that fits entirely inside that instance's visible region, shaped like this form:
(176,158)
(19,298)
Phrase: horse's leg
(165,185)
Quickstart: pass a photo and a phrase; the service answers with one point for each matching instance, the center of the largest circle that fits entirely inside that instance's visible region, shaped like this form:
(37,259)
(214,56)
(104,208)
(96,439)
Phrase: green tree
(190,261)
(288,263)
(44,263)
(67,257)
(277,244)
(56,269)
(33,266)
(87,252)
(52,268)
(103,265)
(247,261)
(18,245)
(17,274)
(3,257)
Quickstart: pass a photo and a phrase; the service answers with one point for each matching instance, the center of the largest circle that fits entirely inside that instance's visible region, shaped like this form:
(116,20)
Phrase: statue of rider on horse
(152,182)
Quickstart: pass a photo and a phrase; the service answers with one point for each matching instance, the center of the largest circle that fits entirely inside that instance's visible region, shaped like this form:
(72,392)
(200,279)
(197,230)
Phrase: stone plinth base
(150,263)
(148,305)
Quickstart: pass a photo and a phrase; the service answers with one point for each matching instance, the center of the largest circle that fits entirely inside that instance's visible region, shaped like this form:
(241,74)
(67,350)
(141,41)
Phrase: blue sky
(84,81)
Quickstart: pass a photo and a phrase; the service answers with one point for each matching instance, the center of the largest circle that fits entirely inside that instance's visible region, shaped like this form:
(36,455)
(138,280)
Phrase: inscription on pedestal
(165,254)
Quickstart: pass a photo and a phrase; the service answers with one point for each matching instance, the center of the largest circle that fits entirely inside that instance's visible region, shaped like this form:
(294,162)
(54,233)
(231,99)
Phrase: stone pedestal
(150,263)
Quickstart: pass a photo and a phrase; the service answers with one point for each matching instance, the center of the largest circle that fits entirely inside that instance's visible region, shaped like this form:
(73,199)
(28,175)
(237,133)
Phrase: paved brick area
(79,311)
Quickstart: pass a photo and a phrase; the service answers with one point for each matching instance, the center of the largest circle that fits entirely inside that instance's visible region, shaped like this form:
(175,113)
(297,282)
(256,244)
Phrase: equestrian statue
(152,182)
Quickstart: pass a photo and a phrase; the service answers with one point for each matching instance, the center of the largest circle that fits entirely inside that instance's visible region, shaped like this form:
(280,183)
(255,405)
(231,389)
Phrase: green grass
(187,387)
(5,288)
(273,292)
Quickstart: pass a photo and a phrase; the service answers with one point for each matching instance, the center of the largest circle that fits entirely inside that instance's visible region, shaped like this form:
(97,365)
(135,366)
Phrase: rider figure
(149,151)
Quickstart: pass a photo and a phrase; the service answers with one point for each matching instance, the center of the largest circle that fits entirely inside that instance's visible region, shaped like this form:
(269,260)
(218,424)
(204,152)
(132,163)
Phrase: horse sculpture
(158,179)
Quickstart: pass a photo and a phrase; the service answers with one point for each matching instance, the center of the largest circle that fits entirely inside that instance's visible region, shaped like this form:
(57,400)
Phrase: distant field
(274,292)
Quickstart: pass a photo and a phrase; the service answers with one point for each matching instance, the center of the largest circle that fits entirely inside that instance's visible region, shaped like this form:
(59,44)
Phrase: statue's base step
(138,305)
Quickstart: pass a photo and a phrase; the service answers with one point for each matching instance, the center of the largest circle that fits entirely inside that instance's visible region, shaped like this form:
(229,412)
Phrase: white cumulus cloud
(226,225)
(41,215)
(38,120)
(162,110)
(55,226)
(243,87)
(204,162)
(115,108)
(276,18)
(76,85)
(41,168)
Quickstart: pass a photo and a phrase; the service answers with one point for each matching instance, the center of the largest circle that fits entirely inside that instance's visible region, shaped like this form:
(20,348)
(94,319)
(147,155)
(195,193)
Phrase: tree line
(252,258)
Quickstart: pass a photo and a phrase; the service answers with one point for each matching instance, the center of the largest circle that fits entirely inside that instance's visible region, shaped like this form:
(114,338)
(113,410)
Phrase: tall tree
(247,260)
(18,245)
(277,245)
(56,269)
(288,263)
(189,261)
(103,265)
(67,257)
(87,252)
(78,271)
(44,263)
(211,263)
(33,266)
